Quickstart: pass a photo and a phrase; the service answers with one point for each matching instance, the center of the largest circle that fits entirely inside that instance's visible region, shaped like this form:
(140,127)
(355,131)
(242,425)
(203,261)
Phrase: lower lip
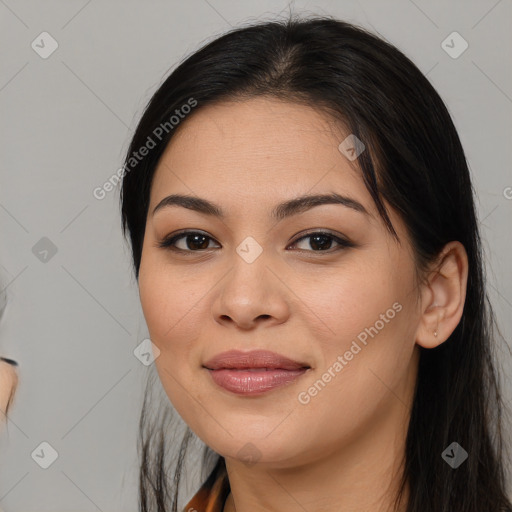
(245,382)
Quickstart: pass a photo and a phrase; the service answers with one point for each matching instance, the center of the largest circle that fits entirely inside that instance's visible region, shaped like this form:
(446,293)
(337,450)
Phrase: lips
(253,373)
(257,360)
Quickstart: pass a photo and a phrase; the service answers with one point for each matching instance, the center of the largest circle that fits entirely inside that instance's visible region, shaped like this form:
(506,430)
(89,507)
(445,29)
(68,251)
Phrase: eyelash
(168,243)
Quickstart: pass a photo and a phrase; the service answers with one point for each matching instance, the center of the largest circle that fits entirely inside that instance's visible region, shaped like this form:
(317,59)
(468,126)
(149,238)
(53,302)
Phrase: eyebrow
(281,211)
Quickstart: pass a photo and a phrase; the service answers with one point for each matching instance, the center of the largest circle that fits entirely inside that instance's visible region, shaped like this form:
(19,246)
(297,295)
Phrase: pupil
(326,239)
(194,239)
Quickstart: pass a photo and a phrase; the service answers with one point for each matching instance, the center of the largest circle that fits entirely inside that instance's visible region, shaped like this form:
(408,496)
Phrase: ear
(443,296)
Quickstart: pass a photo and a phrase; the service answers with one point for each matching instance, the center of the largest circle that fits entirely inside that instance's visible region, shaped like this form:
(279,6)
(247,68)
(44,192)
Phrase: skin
(8,385)
(342,450)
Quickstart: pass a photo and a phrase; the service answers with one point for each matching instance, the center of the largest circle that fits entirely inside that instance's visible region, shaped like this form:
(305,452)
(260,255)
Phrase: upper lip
(253,359)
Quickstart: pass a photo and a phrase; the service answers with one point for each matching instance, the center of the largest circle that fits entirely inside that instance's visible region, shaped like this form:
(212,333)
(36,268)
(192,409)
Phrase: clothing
(212,495)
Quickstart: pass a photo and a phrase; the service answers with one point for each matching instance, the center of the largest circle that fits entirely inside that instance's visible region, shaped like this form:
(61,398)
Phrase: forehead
(257,148)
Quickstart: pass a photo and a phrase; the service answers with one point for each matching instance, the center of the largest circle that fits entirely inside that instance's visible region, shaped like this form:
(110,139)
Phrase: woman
(8,376)
(8,385)
(307,252)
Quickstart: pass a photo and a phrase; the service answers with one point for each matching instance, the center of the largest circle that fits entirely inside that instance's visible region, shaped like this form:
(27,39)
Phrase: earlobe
(443,296)
(432,331)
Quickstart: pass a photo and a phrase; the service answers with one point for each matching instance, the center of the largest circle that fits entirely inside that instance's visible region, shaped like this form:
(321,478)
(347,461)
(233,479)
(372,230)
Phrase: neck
(363,477)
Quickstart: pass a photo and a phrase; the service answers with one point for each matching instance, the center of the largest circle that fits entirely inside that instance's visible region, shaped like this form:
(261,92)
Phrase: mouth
(255,359)
(254,373)
(254,369)
(254,381)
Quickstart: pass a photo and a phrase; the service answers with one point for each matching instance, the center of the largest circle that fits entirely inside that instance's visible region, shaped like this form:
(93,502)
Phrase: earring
(435,333)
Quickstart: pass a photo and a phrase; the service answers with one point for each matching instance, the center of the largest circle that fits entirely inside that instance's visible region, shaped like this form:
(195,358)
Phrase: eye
(322,241)
(191,241)
(195,241)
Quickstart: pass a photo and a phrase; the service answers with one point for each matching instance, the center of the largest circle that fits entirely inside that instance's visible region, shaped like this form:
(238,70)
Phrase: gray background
(73,320)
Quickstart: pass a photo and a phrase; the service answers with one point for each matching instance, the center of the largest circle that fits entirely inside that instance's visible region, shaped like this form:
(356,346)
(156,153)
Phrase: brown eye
(195,241)
(191,241)
(322,242)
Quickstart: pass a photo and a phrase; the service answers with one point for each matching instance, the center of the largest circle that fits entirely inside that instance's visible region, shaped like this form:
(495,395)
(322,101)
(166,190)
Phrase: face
(324,284)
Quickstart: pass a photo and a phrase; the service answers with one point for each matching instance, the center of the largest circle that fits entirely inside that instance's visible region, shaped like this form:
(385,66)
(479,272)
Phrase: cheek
(350,300)
(367,314)
(171,310)
(170,305)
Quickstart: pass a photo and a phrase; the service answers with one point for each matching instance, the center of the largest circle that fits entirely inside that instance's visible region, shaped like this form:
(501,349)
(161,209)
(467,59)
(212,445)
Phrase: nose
(250,295)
